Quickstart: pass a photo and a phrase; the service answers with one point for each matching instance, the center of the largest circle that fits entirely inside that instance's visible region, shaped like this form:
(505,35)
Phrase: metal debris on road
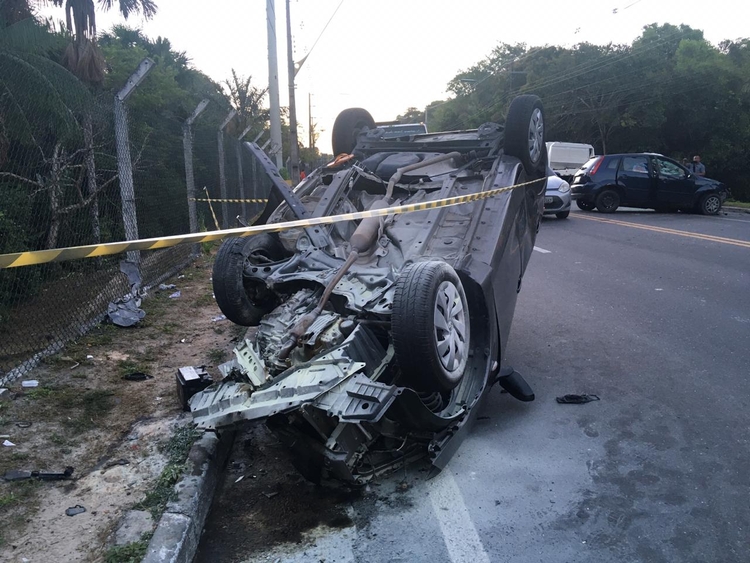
(574,399)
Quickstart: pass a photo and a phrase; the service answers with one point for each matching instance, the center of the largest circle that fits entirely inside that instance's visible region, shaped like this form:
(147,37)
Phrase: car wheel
(524,133)
(349,123)
(585,205)
(710,204)
(430,326)
(608,201)
(244,301)
(563,214)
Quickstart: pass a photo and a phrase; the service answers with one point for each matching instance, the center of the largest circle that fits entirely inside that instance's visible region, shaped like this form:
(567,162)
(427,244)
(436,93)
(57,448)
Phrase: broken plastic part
(574,399)
(73,510)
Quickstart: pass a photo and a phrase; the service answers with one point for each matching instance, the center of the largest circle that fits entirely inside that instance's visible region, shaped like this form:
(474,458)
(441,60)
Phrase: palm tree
(83,57)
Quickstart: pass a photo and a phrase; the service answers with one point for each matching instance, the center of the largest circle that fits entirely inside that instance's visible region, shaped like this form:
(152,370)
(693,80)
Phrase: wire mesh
(61,179)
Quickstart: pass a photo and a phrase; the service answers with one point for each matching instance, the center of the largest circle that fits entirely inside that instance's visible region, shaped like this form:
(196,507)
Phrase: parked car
(376,341)
(557,197)
(566,158)
(645,180)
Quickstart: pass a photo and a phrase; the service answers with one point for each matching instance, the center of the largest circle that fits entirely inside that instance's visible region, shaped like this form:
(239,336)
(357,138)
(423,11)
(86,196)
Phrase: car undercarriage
(373,343)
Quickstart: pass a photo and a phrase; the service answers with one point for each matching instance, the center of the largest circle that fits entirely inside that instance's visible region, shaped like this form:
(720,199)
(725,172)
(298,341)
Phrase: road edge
(178,533)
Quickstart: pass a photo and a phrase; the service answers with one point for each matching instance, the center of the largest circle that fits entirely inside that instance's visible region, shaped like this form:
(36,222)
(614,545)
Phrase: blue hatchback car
(645,180)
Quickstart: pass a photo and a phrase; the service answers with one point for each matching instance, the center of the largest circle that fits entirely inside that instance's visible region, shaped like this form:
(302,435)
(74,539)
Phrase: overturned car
(373,342)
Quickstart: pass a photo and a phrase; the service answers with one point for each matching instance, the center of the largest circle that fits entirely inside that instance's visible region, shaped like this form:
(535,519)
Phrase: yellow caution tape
(212,200)
(107,249)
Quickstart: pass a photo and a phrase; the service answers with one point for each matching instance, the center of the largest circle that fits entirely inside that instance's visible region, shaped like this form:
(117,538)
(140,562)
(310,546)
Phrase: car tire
(584,205)
(525,133)
(710,204)
(348,125)
(563,214)
(430,327)
(608,201)
(243,301)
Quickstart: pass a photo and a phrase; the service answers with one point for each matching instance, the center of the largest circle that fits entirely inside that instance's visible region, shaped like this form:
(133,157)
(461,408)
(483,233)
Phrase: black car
(374,342)
(646,180)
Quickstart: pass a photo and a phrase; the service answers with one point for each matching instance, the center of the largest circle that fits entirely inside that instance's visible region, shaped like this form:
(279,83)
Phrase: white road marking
(542,250)
(460,535)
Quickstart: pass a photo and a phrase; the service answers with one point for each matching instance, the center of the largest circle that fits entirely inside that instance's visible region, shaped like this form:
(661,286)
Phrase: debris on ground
(176,295)
(73,510)
(137,376)
(126,311)
(166,286)
(219,318)
(8,443)
(30,383)
(22,474)
(574,399)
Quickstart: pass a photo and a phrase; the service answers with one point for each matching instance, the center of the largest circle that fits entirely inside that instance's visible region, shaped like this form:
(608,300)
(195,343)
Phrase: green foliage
(670,91)
(129,553)
(176,450)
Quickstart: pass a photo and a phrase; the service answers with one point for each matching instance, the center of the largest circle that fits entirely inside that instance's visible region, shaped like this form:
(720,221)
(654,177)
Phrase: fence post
(222,175)
(240,175)
(124,164)
(187,146)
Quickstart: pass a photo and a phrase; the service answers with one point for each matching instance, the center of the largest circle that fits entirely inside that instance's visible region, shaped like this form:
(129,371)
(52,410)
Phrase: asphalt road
(651,313)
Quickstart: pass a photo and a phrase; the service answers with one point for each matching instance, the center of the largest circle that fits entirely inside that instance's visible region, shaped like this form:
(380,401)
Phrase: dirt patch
(263,502)
(85,415)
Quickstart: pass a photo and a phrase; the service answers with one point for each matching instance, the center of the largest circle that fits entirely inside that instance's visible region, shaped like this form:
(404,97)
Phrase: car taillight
(596,166)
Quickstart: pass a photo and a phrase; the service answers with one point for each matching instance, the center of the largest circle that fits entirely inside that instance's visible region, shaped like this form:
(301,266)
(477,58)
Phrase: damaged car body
(374,342)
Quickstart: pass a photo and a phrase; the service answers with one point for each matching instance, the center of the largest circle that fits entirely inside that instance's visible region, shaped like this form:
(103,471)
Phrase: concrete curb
(179,530)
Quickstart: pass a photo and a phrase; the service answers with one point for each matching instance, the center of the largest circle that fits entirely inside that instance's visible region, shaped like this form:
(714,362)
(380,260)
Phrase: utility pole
(273,83)
(311,142)
(293,146)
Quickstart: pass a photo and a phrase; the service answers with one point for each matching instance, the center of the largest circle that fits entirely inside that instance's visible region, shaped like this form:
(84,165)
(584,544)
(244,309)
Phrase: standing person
(697,167)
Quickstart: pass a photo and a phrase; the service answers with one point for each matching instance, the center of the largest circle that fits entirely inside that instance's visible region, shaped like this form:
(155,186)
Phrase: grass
(126,367)
(216,355)
(129,553)
(734,203)
(176,449)
(205,300)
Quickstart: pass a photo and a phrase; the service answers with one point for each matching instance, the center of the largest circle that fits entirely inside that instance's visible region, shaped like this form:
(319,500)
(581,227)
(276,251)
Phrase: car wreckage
(373,342)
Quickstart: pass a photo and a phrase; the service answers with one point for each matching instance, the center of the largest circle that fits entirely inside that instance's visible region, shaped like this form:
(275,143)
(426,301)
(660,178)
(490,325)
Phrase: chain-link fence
(82,167)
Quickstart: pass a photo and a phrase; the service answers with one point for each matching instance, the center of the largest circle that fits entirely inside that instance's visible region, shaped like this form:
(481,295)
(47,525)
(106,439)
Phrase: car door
(675,187)
(636,178)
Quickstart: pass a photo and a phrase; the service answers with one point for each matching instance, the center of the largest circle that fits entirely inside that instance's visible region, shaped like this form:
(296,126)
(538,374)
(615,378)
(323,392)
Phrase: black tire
(431,358)
(710,204)
(608,201)
(243,301)
(349,123)
(563,214)
(584,205)
(525,133)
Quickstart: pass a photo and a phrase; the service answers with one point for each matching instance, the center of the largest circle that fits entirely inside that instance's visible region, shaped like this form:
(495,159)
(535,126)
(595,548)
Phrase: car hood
(703,182)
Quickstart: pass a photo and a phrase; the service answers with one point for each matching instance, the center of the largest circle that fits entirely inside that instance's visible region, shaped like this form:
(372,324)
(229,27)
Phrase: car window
(636,164)
(669,169)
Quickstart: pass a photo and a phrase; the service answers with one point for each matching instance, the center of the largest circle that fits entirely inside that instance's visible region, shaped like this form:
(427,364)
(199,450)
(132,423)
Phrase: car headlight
(563,188)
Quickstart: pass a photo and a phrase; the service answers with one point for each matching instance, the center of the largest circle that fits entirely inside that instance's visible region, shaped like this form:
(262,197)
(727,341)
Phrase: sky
(389,55)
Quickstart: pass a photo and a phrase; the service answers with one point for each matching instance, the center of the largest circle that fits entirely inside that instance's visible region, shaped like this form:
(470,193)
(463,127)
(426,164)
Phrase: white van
(566,158)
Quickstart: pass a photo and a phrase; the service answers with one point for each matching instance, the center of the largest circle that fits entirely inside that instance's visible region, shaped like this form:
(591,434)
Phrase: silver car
(557,197)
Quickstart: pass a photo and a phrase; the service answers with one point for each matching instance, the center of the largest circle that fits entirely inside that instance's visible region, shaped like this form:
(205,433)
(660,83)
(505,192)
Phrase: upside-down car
(373,342)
